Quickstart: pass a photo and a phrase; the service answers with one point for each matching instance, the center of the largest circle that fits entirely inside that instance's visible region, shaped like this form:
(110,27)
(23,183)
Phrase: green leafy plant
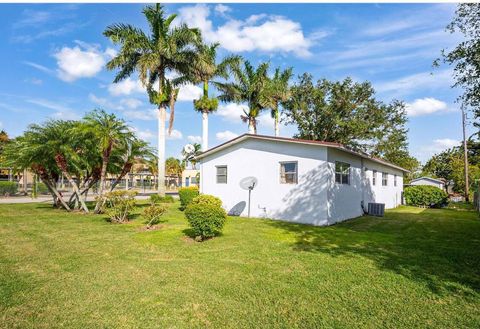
(425,196)
(205,199)
(187,194)
(118,205)
(42,188)
(155,198)
(206,219)
(8,188)
(153,213)
(206,104)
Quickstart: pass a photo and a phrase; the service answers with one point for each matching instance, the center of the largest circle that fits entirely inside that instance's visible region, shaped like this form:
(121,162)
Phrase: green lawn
(413,268)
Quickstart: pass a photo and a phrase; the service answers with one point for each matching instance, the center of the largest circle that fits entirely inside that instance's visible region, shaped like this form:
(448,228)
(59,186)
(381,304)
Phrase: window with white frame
(374,178)
(384,179)
(221,174)
(342,172)
(289,172)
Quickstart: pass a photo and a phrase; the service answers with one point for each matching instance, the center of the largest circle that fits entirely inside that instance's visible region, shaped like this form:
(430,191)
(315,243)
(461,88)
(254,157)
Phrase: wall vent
(376,209)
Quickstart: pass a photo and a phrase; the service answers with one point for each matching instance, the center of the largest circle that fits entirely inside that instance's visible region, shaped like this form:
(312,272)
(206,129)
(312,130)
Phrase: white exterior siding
(316,198)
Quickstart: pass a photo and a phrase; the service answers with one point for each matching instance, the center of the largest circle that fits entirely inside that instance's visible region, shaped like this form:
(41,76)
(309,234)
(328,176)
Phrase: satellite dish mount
(249,183)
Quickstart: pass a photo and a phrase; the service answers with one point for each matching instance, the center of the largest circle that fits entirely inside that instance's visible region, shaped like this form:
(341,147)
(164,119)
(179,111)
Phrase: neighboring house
(189,177)
(428,181)
(301,181)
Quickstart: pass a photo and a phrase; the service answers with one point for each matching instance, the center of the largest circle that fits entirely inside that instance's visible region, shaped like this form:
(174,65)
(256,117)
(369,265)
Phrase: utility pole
(465,153)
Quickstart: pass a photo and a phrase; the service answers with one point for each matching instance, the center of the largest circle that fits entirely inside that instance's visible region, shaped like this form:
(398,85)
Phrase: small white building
(428,181)
(302,181)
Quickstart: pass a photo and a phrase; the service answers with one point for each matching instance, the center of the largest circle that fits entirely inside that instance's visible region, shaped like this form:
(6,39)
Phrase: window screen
(288,172)
(342,172)
(221,174)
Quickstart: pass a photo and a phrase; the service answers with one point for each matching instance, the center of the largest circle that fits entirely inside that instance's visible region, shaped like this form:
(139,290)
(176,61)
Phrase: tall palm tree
(277,92)
(203,71)
(192,156)
(249,86)
(164,50)
(111,133)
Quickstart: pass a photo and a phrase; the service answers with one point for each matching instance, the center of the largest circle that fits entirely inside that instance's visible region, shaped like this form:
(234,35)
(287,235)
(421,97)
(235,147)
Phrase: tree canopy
(347,112)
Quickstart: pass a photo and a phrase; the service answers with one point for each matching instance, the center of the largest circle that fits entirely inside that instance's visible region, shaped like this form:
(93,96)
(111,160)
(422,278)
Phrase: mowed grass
(415,268)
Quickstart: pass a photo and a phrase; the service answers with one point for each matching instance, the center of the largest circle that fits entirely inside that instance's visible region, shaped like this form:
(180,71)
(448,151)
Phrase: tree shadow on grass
(437,248)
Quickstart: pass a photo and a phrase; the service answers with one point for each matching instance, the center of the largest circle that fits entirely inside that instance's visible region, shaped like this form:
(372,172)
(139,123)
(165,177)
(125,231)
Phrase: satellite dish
(189,148)
(249,183)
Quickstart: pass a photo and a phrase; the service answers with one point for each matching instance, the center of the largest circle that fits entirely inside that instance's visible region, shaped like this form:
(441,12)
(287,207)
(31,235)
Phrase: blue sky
(53,62)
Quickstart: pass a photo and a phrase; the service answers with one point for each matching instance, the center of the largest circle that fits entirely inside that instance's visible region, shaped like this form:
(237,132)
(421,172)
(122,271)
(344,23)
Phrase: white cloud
(126,87)
(39,67)
(144,134)
(100,101)
(81,61)
(176,134)
(189,93)
(415,82)
(194,139)
(146,115)
(425,106)
(226,135)
(131,103)
(231,111)
(222,9)
(261,32)
(61,112)
(436,146)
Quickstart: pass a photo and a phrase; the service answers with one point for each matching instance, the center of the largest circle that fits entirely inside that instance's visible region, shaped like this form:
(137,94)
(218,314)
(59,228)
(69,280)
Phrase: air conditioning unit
(376,209)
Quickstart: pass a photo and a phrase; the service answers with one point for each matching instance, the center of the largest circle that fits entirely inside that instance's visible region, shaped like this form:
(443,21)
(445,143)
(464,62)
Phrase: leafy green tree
(465,56)
(165,50)
(248,87)
(204,70)
(347,112)
(277,91)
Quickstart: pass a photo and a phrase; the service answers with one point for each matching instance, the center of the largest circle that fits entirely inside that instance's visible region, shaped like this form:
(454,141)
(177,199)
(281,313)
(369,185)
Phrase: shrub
(206,219)
(155,198)
(186,195)
(425,196)
(119,204)
(206,199)
(8,188)
(152,214)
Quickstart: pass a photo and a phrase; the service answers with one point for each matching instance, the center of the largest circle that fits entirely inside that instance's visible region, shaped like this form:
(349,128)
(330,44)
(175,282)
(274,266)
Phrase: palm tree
(165,50)
(203,71)
(111,133)
(277,92)
(248,87)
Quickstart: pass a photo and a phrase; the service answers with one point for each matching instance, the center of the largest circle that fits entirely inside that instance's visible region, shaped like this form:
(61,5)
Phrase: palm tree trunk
(60,162)
(103,175)
(252,127)
(162,114)
(277,126)
(204,131)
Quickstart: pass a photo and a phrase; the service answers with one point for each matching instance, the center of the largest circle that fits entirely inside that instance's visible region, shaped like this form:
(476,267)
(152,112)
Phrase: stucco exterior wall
(305,202)
(316,198)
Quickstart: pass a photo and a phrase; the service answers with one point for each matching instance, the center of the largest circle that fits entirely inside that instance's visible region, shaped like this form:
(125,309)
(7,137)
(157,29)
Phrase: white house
(303,181)
(428,181)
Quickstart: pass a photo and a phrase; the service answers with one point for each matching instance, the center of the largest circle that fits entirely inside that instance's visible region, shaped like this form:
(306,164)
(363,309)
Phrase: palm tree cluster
(84,152)
(171,55)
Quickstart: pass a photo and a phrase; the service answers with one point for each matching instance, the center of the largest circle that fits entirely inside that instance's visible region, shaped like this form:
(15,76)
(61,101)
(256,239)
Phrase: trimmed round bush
(206,199)
(8,188)
(425,196)
(187,194)
(155,198)
(206,220)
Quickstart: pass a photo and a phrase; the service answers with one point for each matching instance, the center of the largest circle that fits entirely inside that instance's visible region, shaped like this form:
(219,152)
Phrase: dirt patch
(150,228)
